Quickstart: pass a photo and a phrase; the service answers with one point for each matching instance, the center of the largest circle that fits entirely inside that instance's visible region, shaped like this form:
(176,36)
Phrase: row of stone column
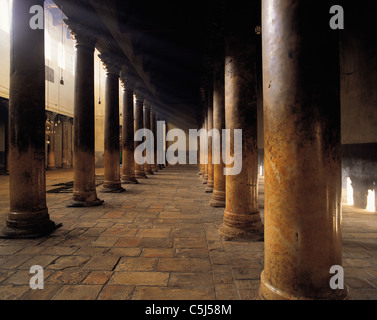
(28,216)
(302,212)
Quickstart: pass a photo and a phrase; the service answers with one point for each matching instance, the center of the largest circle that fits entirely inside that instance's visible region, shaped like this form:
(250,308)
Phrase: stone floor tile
(103,263)
(116,292)
(191,279)
(78,292)
(184,265)
(159,293)
(98,277)
(137,264)
(67,277)
(140,278)
(12,292)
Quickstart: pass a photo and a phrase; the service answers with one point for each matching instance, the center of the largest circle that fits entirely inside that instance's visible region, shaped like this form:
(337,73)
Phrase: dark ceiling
(165,41)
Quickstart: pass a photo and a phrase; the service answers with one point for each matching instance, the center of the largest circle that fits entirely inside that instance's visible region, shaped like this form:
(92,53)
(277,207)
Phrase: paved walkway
(158,240)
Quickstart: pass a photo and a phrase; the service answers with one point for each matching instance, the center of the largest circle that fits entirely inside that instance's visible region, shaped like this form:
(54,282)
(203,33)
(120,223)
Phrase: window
(4,16)
(47,45)
(61,56)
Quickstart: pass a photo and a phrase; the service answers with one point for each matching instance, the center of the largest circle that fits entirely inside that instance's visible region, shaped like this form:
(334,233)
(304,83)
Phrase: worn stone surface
(188,259)
(303,216)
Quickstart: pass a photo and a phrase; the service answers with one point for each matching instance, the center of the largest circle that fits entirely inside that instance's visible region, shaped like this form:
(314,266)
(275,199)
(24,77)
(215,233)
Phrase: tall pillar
(65,143)
(302,151)
(209,188)
(84,187)
(218,197)
(205,127)
(241,215)
(128,161)
(139,104)
(154,130)
(28,216)
(51,147)
(112,182)
(147,125)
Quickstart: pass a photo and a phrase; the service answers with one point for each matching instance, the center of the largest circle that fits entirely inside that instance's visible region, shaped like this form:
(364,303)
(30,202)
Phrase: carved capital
(128,79)
(111,62)
(83,35)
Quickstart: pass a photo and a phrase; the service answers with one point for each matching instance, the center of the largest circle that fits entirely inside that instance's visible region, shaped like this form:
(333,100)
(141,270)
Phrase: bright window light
(349,192)
(47,45)
(61,56)
(4,16)
(371,201)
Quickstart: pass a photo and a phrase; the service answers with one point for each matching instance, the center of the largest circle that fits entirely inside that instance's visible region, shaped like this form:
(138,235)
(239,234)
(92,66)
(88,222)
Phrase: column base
(267,292)
(28,225)
(112,190)
(149,172)
(218,199)
(241,226)
(80,201)
(210,186)
(140,175)
(127,180)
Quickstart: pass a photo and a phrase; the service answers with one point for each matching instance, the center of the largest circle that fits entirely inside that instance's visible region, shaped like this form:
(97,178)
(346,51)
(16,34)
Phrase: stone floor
(159,240)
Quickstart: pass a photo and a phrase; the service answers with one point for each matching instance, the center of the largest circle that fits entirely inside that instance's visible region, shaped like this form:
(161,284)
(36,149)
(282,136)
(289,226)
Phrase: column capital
(83,35)
(128,79)
(111,62)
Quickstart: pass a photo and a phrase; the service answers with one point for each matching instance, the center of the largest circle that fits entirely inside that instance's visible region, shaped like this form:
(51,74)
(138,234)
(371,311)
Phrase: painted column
(28,216)
(302,151)
(241,215)
(65,146)
(139,104)
(51,148)
(84,187)
(218,197)
(128,161)
(112,182)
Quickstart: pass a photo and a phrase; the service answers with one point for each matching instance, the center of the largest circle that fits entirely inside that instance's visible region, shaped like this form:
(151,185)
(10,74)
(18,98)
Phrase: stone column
(302,151)
(147,125)
(241,215)
(139,104)
(154,130)
(128,167)
(65,147)
(84,189)
(209,188)
(112,182)
(205,127)
(218,197)
(28,216)
(160,166)
(51,148)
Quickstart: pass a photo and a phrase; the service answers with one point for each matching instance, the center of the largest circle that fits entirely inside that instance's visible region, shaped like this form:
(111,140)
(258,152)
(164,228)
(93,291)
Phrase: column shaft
(154,130)
(241,215)
(65,146)
(112,182)
(147,125)
(302,151)
(28,216)
(218,197)
(209,188)
(139,168)
(128,167)
(84,187)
